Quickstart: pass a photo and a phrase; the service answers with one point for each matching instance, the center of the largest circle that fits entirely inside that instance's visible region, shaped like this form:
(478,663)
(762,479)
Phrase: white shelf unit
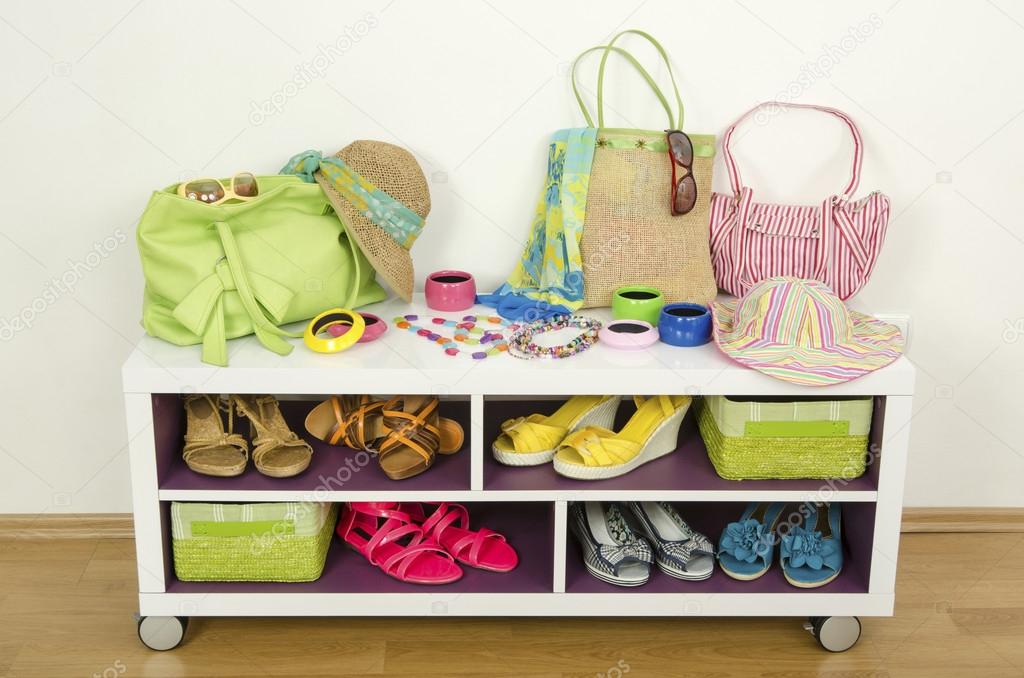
(157,373)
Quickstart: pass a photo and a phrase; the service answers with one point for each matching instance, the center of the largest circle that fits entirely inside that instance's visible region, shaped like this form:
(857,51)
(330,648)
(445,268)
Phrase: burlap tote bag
(630,234)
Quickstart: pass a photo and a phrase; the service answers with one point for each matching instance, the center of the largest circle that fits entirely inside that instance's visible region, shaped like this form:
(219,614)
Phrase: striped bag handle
(858,144)
(675,118)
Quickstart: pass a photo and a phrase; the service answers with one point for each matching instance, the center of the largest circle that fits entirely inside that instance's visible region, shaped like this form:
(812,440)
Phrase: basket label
(259,528)
(797,429)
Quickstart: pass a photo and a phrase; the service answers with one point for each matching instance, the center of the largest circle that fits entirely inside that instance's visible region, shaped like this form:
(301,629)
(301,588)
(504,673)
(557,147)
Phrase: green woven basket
(759,439)
(283,542)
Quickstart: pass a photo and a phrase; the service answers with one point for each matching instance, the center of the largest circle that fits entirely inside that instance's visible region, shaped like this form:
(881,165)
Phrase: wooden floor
(66,606)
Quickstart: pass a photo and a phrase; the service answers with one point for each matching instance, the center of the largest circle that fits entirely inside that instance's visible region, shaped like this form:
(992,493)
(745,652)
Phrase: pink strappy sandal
(388,538)
(448,525)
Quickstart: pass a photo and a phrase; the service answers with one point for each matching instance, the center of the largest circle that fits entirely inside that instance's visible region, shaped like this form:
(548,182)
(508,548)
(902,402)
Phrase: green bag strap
(674,121)
(268,333)
(668,66)
(600,103)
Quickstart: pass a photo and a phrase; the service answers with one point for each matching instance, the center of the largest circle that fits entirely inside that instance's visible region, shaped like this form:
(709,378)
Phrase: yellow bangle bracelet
(335,316)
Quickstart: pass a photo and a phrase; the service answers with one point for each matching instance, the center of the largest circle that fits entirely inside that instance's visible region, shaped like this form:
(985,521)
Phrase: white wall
(102,102)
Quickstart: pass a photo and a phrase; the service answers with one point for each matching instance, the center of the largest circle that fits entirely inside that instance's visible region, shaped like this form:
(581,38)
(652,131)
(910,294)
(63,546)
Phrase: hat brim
(391,261)
(874,345)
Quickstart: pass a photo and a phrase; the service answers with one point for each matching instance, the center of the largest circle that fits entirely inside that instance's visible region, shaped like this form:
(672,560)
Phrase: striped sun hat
(799,331)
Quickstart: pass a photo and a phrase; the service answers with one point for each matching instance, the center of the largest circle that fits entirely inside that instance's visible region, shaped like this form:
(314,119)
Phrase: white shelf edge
(284,381)
(453,603)
(789,496)
(403,364)
(561,527)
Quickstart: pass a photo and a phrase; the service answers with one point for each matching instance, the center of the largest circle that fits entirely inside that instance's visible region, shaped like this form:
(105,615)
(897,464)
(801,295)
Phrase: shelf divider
(561,528)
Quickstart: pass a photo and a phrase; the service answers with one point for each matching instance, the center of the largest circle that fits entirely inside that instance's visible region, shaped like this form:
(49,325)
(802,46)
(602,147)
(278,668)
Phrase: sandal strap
(271,430)
(410,429)
(338,432)
(350,415)
(391,531)
(381,509)
(597,446)
(448,514)
(398,525)
(443,517)
(475,542)
(264,445)
(194,445)
(663,401)
(532,433)
(407,556)
(226,438)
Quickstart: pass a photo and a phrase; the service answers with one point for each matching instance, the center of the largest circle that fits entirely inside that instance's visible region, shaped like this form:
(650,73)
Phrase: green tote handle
(600,104)
(674,121)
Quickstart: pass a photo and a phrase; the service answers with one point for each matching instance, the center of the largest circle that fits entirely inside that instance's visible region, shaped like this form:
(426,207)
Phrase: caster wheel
(835,634)
(162,633)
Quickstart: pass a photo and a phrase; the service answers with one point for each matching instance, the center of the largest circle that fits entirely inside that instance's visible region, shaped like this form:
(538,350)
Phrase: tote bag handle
(675,120)
(858,145)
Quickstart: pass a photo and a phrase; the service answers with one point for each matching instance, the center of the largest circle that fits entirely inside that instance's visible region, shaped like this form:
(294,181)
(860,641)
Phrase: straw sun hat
(380,194)
(799,331)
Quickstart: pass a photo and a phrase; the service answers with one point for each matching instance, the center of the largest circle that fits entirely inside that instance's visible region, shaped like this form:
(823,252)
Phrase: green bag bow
(215,272)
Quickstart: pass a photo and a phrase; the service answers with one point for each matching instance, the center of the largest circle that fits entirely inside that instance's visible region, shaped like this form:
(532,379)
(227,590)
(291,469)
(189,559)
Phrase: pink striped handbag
(836,242)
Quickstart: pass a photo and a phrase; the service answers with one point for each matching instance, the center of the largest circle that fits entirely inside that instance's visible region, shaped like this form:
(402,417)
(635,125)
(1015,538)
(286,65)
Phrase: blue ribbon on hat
(398,221)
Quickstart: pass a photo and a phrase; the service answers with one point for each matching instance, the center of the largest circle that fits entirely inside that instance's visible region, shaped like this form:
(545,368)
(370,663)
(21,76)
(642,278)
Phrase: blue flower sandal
(746,547)
(813,557)
(612,552)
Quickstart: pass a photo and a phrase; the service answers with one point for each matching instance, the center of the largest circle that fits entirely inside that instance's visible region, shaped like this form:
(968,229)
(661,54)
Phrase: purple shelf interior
(331,469)
(528,526)
(686,469)
(710,519)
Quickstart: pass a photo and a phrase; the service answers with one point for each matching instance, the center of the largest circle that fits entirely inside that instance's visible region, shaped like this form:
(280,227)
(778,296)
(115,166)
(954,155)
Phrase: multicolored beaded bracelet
(466,333)
(522,344)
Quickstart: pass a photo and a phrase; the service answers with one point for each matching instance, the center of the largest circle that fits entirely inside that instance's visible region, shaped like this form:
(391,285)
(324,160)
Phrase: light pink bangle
(628,335)
(375,327)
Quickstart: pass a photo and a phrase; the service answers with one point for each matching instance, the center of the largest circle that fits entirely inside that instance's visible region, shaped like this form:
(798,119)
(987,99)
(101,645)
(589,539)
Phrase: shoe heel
(602,415)
(666,437)
(345,523)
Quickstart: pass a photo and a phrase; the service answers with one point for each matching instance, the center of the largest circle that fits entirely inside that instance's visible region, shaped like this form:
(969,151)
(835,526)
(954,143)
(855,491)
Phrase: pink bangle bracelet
(628,335)
(375,327)
(450,290)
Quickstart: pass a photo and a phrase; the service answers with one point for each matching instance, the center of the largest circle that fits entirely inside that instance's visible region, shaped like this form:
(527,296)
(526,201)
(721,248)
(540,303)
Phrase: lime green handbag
(216,272)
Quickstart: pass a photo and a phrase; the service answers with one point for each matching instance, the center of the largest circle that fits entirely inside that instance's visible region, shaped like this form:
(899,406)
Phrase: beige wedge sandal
(209,449)
(277,451)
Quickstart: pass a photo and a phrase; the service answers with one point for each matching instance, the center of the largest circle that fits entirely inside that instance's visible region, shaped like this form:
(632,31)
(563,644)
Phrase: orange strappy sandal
(413,435)
(357,421)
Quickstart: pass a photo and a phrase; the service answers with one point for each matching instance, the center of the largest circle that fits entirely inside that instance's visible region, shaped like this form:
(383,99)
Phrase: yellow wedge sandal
(594,452)
(532,440)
